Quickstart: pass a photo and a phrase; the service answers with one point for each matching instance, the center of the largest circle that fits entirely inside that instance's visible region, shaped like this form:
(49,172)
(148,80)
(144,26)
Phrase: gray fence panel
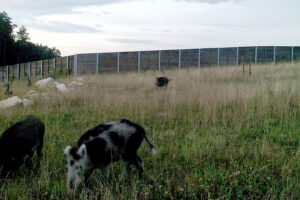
(128,61)
(296,53)
(283,54)
(265,54)
(149,60)
(86,63)
(209,57)
(108,62)
(169,59)
(228,56)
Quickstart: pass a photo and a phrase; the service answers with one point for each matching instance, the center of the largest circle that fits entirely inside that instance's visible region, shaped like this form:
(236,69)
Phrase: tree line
(15,45)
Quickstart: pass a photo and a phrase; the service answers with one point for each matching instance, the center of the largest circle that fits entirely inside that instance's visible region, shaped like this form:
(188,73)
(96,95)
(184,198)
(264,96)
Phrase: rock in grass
(61,87)
(27,102)
(10,102)
(45,83)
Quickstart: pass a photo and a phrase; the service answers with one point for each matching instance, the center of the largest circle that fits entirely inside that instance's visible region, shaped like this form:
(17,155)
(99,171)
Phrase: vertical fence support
(35,69)
(29,70)
(75,64)
(179,59)
(54,65)
(237,56)
(218,57)
(139,61)
(292,56)
(255,55)
(7,73)
(19,72)
(67,63)
(97,63)
(274,56)
(42,69)
(199,58)
(118,63)
(159,59)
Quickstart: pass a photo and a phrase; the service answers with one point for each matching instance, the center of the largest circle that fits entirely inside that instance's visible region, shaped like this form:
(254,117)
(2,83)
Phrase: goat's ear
(67,150)
(82,150)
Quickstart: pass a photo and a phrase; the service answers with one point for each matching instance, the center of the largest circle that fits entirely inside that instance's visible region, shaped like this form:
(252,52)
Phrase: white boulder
(27,102)
(10,102)
(61,87)
(75,83)
(31,94)
(45,83)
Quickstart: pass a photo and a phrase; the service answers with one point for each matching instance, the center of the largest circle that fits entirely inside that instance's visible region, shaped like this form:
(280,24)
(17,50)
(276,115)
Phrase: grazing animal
(102,145)
(162,81)
(19,141)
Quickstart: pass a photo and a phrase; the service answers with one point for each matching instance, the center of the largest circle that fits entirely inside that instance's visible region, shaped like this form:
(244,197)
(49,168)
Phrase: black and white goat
(102,145)
(20,141)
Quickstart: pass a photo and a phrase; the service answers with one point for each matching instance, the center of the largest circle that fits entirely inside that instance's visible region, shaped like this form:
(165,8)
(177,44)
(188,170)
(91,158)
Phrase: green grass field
(220,134)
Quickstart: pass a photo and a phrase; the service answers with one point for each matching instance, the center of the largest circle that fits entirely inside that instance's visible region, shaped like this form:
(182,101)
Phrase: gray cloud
(131,41)
(65,27)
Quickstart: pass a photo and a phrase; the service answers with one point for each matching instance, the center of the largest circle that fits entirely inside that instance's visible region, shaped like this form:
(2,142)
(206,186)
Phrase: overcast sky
(88,26)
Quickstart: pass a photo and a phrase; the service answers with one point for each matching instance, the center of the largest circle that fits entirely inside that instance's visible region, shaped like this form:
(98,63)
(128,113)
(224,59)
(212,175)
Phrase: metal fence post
(118,63)
(97,63)
(139,61)
(218,57)
(67,63)
(54,65)
(199,58)
(159,59)
(255,56)
(292,56)
(179,59)
(7,73)
(75,64)
(42,69)
(29,70)
(274,56)
(18,67)
(237,56)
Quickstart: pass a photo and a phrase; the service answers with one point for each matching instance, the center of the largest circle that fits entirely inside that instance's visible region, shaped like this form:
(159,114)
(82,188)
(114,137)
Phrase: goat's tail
(153,149)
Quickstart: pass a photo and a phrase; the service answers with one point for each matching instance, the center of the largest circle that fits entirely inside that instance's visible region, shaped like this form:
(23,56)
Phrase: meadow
(221,134)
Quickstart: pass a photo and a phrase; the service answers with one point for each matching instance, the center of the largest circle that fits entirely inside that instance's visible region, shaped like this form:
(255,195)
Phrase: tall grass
(220,134)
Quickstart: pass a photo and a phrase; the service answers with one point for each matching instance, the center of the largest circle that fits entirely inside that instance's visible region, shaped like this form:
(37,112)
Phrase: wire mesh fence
(150,60)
